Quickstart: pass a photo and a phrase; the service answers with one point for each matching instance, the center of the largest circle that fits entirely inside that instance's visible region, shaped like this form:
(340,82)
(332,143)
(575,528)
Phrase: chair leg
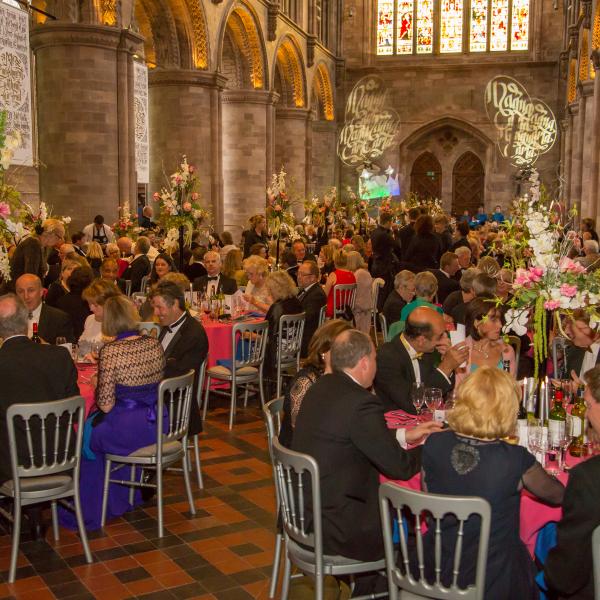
(54,521)
(14,553)
(198,465)
(262,390)
(287,574)
(105,492)
(188,486)
(206,392)
(132,488)
(81,525)
(159,500)
(276,565)
(247,388)
(233,407)
(319,586)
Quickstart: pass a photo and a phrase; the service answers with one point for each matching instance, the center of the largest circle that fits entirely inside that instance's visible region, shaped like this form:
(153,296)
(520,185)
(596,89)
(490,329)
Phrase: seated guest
(464,260)
(139,266)
(325,261)
(181,281)
(182,337)
(445,276)
(464,295)
(112,251)
(425,248)
(129,371)
(59,288)
(461,237)
(109,272)
(505,279)
(94,256)
(483,325)
(52,322)
(591,257)
(488,265)
(341,276)
(568,570)
(196,268)
(146,221)
(483,285)
(162,265)
(257,294)
(227,240)
(403,293)
(96,294)
(408,358)
(214,282)
(72,303)
(363,302)
(260,250)
(78,243)
(442,230)
(312,298)
(341,426)
(317,363)
(232,267)
(471,459)
(583,350)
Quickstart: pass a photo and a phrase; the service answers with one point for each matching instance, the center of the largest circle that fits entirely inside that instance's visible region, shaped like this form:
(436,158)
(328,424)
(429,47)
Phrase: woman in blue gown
(129,371)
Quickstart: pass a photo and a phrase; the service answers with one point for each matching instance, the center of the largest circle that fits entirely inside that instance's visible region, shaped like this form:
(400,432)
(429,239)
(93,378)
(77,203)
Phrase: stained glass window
(385,27)
(424,26)
(404,42)
(478,37)
(451,26)
(520,25)
(499,35)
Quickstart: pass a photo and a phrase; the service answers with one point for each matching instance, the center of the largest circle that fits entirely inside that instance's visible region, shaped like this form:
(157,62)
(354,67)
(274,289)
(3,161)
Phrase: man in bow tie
(312,297)
(214,282)
(409,358)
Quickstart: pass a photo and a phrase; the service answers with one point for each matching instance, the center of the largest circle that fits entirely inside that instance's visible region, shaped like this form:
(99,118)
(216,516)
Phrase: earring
(323,356)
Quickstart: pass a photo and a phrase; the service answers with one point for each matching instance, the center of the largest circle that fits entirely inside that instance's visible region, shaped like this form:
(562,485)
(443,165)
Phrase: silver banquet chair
(174,394)
(376,287)
(289,345)
(402,583)
(384,327)
(344,295)
(48,470)
(596,561)
(322,315)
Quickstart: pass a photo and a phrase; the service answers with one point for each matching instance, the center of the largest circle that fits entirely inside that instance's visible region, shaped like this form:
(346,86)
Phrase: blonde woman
(96,294)
(364,283)
(232,267)
(471,459)
(340,276)
(257,295)
(95,256)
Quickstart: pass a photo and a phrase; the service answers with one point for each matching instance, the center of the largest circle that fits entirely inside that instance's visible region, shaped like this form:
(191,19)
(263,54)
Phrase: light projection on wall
(526,126)
(372,185)
(370,124)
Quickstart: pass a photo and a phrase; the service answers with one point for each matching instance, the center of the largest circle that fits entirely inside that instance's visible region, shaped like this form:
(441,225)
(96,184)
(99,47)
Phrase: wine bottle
(577,425)
(557,420)
(35,336)
(522,420)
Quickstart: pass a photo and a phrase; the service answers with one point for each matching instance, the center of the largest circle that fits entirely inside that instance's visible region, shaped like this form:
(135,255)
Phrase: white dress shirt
(413,355)
(589,359)
(212,286)
(35,318)
(173,329)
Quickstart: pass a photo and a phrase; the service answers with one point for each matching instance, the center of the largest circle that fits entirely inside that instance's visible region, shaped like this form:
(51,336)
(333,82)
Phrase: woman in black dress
(72,303)
(425,248)
(257,234)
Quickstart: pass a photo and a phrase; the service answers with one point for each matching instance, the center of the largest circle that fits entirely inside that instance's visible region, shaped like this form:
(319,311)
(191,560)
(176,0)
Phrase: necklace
(481,351)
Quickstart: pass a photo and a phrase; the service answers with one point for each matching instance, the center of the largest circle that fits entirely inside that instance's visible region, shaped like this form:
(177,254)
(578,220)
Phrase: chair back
(144,283)
(296,473)
(45,437)
(383,324)
(515,342)
(596,561)
(201,376)
(344,295)
(128,287)
(393,498)
(252,338)
(376,286)
(175,394)
(289,339)
(322,315)
(149,328)
(559,358)
(272,415)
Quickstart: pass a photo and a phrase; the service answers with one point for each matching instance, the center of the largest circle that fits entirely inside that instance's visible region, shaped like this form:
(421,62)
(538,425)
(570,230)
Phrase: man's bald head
(13,316)
(424,328)
(30,291)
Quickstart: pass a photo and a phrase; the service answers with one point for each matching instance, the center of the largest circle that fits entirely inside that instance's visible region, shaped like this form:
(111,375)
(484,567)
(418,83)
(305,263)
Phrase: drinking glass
(534,441)
(61,340)
(417,395)
(95,349)
(433,399)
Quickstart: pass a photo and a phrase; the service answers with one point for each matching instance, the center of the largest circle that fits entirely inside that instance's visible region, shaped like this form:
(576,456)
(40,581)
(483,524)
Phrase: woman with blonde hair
(96,294)
(95,256)
(232,267)
(257,294)
(472,459)
(257,234)
(364,294)
(341,276)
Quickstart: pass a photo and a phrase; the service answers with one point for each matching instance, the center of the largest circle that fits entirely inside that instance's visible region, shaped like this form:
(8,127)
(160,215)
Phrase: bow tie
(213,277)
(418,356)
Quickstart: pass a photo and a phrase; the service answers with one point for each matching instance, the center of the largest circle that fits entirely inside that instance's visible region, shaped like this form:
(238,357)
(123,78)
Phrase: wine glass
(95,349)
(60,340)
(417,395)
(433,399)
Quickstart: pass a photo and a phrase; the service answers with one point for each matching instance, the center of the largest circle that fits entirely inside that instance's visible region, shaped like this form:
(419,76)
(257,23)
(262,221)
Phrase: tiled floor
(225,552)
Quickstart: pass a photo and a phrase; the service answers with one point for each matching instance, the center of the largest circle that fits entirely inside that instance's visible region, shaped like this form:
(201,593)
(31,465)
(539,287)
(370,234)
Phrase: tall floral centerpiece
(279,208)
(127,225)
(180,211)
(548,284)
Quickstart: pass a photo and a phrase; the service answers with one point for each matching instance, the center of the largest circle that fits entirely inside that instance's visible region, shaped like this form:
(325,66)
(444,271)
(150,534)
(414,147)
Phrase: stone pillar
(247,154)
(577,151)
(587,144)
(569,143)
(290,151)
(85,130)
(595,157)
(324,156)
(185,118)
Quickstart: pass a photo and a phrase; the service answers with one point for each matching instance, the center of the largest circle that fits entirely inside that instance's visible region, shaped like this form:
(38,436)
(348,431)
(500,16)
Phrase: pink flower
(4,210)
(191,168)
(522,277)
(156,196)
(568,290)
(535,274)
(570,266)
(552,304)
(277,207)
(195,196)
(187,206)
(178,179)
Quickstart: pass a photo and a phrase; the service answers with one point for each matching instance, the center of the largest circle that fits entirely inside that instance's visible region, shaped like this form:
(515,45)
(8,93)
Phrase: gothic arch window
(406,27)
(426,176)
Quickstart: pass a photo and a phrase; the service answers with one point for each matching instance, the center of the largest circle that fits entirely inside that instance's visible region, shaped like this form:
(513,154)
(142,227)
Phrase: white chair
(401,501)
(289,345)
(376,286)
(128,287)
(344,295)
(171,446)
(596,561)
(384,328)
(144,283)
(201,375)
(45,462)
(248,344)
(322,315)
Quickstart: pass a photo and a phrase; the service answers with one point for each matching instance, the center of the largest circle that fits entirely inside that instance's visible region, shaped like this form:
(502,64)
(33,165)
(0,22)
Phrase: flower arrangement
(126,226)
(279,207)
(547,282)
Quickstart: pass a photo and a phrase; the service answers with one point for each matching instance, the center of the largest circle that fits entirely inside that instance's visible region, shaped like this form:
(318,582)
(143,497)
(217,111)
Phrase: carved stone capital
(586,88)
(272,14)
(586,5)
(249,97)
(186,77)
(61,33)
(311,42)
(574,38)
(573,108)
(563,64)
(595,56)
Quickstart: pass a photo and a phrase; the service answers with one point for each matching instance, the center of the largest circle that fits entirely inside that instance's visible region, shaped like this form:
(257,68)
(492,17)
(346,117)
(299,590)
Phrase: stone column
(185,118)
(85,130)
(587,145)
(577,151)
(324,156)
(569,143)
(595,158)
(290,151)
(247,154)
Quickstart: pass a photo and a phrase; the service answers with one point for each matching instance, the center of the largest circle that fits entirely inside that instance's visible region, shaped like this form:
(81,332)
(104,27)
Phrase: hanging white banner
(140,112)
(15,78)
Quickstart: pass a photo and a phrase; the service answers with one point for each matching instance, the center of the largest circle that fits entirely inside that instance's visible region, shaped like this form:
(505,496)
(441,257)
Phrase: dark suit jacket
(461,242)
(568,568)
(446,285)
(341,425)
(575,357)
(77,309)
(187,350)
(395,375)
(423,252)
(385,251)
(55,323)
(406,234)
(312,301)
(31,373)
(393,307)
(136,271)
(193,271)
(227,285)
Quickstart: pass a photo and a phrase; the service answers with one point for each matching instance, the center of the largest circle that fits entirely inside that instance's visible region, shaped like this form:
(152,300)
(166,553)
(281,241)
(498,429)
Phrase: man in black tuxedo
(313,298)
(196,268)
(445,276)
(52,322)
(214,282)
(568,570)
(182,337)
(341,425)
(583,350)
(406,233)
(385,255)
(29,372)
(408,358)
(298,256)
(404,292)
(140,264)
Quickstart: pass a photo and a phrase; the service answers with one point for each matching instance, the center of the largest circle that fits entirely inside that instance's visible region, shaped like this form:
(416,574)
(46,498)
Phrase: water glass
(417,395)
(433,399)
(60,340)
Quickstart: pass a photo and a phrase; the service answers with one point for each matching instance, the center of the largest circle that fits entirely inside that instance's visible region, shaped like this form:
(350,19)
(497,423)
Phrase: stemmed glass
(417,395)
(536,442)
(433,399)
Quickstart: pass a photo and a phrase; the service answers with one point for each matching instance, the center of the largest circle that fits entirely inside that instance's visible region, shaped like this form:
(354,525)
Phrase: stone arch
(156,23)
(446,122)
(468,184)
(596,28)
(241,49)
(289,74)
(426,176)
(322,94)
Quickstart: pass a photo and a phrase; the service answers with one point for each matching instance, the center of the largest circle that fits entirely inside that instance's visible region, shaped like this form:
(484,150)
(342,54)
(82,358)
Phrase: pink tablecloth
(84,372)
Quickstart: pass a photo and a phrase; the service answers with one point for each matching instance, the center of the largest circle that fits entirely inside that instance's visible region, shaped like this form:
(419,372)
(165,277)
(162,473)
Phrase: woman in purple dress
(129,371)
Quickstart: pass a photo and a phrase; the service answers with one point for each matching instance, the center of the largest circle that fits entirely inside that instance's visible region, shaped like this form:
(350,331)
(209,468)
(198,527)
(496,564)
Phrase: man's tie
(30,316)
(418,356)
(166,329)
(213,278)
